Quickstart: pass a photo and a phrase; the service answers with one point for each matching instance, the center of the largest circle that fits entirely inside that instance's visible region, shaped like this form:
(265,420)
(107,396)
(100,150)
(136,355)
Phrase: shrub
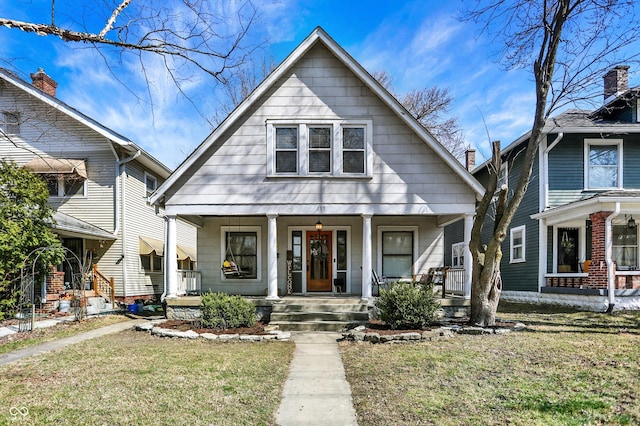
(407,305)
(220,310)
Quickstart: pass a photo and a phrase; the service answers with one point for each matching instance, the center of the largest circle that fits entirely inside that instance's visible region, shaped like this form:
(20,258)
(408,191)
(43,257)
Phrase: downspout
(608,256)
(119,192)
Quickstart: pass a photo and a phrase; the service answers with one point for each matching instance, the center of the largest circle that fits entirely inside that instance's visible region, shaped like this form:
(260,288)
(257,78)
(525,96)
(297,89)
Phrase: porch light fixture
(318,226)
(632,223)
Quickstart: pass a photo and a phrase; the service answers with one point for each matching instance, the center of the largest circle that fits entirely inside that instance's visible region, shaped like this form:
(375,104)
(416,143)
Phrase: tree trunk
(486,289)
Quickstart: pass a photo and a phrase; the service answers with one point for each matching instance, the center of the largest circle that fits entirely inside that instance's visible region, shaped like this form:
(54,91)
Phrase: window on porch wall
(242,249)
(625,246)
(397,254)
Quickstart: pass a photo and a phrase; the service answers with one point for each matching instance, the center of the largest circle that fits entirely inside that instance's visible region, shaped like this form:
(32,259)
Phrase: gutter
(608,243)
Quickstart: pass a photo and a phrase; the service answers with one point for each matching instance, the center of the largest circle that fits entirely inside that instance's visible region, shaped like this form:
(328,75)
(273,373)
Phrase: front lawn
(568,368)
(134,378)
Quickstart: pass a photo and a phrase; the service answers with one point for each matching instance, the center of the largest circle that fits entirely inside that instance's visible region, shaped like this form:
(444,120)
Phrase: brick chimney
(43,82)
(616,81)
(470,159)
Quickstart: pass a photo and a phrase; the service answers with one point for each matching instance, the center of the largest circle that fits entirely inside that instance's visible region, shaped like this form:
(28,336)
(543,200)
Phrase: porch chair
(378,282)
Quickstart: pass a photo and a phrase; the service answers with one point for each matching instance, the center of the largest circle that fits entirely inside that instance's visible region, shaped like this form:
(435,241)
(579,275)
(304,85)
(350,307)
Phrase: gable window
(353,150)
(150,182)
(517,244)
(603,164)
(317,148)
(10,122)
(625,246)
(286,149)
(241,248)
(457,255)
(397,253)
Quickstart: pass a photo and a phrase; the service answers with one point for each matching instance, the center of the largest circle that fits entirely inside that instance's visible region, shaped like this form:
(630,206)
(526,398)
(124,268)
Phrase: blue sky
(420,43)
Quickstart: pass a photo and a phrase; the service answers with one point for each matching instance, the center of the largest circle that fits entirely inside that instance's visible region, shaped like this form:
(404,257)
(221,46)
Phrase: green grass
(59,331)
(134,378)
(568,368)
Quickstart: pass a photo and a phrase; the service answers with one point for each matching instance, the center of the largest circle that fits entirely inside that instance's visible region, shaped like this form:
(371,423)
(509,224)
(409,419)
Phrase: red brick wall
(598,268)
(55,283)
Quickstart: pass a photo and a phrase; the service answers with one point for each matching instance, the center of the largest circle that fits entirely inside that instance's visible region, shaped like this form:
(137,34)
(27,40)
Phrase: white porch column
(170,260)
(468,263)
(366,256)
(272,257)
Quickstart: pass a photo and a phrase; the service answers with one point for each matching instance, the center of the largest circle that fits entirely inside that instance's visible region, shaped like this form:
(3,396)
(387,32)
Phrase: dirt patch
(182,325)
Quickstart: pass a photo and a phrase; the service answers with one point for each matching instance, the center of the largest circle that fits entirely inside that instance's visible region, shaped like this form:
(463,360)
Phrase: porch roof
(69,225)
(581,209)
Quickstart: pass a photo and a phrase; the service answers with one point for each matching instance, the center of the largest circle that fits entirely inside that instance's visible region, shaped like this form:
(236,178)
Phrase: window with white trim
(603,163)
(397,253)
(457,255)
(151,262)
(10,122)
(319,148)
(517,244)
(241,247)
(65,184)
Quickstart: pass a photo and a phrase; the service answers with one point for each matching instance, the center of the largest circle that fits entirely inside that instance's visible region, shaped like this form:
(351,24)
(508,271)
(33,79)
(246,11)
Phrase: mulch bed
(181,325)
(382,328)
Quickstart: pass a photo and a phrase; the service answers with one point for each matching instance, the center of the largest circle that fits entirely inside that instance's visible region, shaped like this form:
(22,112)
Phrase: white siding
(407,174)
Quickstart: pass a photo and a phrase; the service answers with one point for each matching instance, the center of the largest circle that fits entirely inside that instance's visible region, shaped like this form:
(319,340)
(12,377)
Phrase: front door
(319,261)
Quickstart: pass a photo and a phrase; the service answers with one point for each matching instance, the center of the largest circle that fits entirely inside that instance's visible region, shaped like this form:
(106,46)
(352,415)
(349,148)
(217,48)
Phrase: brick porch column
(598,269)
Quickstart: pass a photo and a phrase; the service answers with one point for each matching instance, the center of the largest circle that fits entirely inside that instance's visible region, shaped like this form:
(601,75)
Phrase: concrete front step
(318,313)
(320,307)
(315,325)
(319,316)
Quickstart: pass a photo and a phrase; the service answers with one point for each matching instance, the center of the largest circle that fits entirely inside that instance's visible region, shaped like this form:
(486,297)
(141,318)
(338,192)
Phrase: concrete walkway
(14,356)
(316,391)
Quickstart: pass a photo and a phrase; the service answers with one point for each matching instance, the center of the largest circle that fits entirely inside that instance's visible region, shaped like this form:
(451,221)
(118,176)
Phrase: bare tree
(190,36)
(567,44)
(430,106)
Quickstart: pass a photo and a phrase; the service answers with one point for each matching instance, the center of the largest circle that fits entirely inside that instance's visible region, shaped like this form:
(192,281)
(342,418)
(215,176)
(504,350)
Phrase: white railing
(189,282)
(454,283)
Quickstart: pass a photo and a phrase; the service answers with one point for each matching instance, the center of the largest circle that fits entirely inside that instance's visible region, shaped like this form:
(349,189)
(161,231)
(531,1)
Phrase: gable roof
(320,36)
(115,138)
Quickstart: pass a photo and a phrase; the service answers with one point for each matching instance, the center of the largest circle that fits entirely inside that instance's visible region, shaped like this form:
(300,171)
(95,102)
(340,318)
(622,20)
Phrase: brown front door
(319,261)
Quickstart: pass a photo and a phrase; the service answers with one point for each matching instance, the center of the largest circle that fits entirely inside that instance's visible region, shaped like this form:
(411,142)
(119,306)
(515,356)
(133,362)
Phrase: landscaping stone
(372,337)
(474,330)
(228,337)
(209,336)
(153,327)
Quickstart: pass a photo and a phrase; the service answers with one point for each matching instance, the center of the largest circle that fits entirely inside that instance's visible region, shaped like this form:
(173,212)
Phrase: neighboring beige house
(99,182)
(319,177)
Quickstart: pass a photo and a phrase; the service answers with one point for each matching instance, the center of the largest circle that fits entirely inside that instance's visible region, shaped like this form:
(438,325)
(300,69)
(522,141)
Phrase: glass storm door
(319,261)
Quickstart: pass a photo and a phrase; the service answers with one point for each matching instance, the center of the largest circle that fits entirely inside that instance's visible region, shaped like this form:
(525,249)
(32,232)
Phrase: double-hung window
(319,148)
(397,252)
(625,246)
(353,150)
(603,163)
(10,122)
(286,149)
(241,246)
(457,255)
(517,244)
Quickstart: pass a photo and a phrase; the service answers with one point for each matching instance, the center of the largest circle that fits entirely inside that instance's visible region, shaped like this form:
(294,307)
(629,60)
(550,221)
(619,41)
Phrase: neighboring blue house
(574,238)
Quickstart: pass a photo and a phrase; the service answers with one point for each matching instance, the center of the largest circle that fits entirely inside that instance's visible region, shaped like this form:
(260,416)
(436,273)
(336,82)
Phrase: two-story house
(574,238)
(319,177)
(99,183)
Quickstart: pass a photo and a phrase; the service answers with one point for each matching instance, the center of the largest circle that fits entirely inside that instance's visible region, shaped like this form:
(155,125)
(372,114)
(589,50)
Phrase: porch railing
(103,286)
(189,282)
(454,281)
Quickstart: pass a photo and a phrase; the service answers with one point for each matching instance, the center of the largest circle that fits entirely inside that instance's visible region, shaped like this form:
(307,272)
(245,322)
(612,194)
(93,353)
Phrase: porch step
(318,314)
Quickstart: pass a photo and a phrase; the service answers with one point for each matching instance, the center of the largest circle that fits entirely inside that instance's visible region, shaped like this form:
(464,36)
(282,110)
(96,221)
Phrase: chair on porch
(377,282)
